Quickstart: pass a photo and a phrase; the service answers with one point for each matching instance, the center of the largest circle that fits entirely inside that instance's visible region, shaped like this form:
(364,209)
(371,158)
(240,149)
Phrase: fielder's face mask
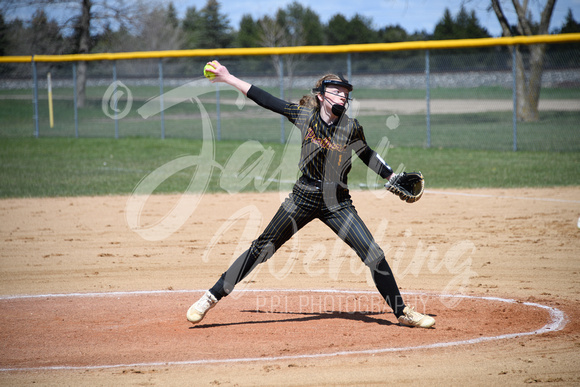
(337,110)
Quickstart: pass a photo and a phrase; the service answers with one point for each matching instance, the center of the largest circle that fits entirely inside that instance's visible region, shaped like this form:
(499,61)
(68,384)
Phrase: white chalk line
(557,323)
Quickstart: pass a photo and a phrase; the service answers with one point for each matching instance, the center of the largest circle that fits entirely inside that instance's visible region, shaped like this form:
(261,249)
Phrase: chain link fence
(450,98)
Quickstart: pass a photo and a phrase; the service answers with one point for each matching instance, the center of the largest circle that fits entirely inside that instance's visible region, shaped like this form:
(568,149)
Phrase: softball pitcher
(329,138)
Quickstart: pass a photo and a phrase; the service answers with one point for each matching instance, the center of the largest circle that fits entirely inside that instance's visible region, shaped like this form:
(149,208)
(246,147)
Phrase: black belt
(322,185)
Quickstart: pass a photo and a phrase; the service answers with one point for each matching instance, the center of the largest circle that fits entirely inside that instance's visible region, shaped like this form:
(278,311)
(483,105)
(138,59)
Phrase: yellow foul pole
(50,112)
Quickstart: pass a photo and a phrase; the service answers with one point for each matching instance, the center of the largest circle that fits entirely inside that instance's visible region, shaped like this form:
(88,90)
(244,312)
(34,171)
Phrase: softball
(209,75)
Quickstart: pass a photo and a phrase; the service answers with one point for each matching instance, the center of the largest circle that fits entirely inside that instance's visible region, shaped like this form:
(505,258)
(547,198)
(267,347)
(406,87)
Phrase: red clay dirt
(149,328)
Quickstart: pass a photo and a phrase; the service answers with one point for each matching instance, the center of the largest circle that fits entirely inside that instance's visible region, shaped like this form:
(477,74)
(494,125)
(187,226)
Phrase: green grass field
(555,131)
(75,167)
(467,150)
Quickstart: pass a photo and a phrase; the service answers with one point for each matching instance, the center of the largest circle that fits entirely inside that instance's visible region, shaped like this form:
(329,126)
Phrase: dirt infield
(86,300)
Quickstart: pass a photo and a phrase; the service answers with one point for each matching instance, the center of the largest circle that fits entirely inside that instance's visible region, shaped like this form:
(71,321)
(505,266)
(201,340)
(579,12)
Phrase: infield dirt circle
(86,300)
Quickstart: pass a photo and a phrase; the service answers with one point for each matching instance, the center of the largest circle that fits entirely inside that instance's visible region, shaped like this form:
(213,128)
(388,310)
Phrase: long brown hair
(310,100)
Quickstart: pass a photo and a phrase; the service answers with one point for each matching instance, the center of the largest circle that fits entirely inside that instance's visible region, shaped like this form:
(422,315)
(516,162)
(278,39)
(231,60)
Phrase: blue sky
(412,15)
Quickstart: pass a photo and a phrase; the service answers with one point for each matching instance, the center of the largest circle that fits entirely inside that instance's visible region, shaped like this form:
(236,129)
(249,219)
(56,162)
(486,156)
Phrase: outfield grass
(459,156)
(76,167)
(555,131)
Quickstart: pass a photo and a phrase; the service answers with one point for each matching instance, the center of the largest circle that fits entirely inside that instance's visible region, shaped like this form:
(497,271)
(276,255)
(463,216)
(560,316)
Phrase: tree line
(119,26)
(139,28)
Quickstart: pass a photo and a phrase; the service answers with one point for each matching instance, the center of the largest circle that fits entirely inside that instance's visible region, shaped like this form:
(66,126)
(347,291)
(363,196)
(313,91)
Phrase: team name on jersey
(325,143)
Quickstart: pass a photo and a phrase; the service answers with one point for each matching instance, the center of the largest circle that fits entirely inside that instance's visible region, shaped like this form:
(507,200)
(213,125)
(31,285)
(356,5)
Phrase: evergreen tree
(360,30)
(357,30)
(570,25)
(249,33)
(445,28)
(171,16)
(469,26)
(40,35)
(563,52)
(337,30)
(191,26)
(465,25)
(215,29)
(392,34)
(312,28)
(301,25)
(4,40)
(46,36)
(294,25)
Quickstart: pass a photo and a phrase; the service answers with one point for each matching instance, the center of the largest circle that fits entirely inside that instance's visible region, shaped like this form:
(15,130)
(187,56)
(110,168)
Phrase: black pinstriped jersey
(327,150)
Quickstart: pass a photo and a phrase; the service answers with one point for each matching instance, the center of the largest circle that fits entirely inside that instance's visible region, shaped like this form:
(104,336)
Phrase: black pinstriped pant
(333,206)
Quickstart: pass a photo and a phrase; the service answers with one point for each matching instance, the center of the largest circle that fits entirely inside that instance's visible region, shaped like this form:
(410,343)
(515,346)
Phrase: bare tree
(294,25)
(528,85)
(160,31)
(83,16)
(272,35)
(84,38)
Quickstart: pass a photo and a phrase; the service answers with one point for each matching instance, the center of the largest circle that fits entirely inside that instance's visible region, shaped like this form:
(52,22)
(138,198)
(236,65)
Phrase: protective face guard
(337,110)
